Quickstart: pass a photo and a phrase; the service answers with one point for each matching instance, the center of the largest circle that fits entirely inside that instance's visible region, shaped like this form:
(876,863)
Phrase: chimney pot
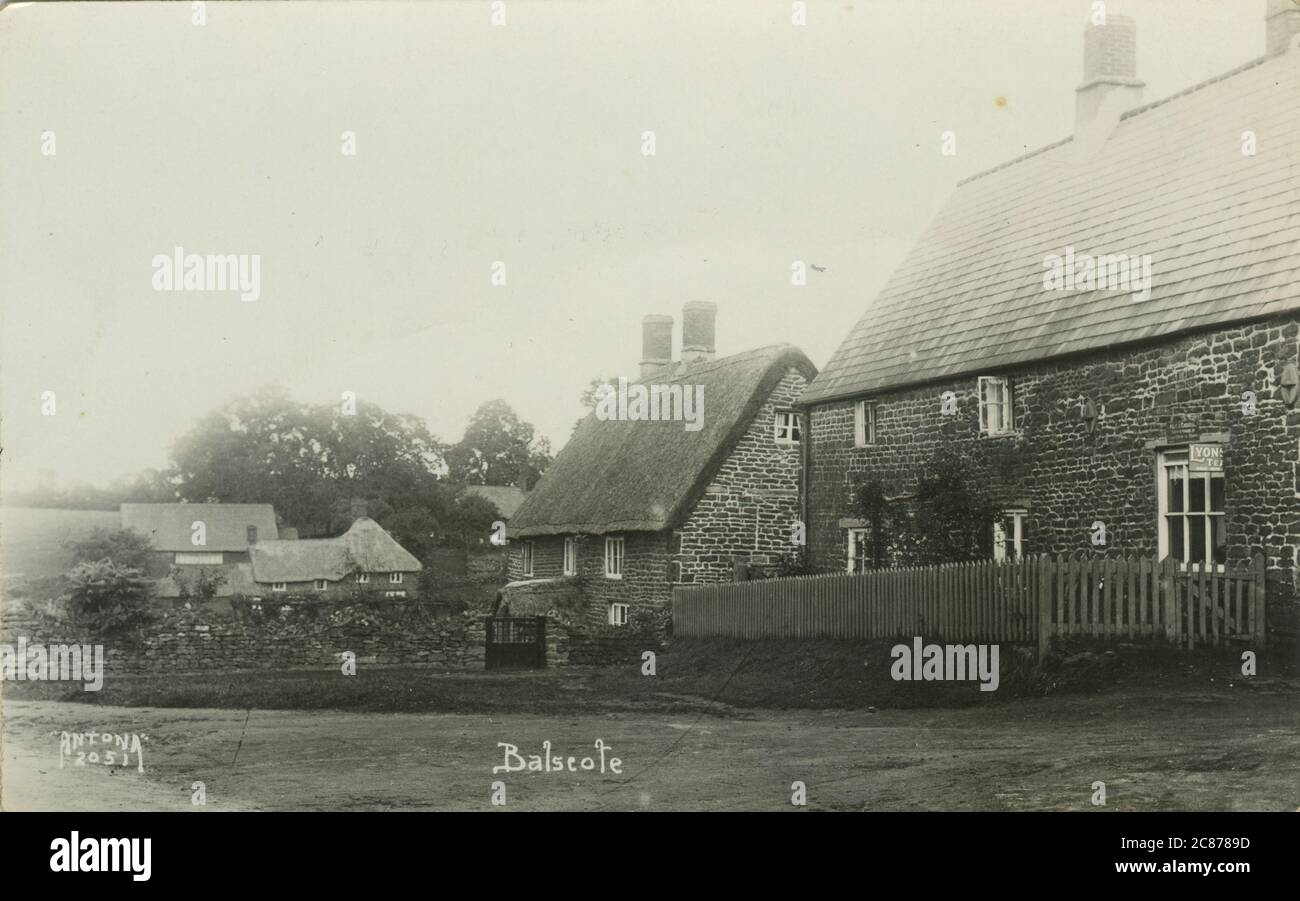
(656,343)
(252,534)
(698,329)
(1281,25)
(1110,84)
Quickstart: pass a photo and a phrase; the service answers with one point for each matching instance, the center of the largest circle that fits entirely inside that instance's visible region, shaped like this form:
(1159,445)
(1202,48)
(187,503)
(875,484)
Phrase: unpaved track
(1218,749)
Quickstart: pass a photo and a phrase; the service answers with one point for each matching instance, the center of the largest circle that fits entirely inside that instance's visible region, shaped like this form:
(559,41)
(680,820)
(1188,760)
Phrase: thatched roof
(1222,229)
(226,525)
(365,547)
(620,476)
(506,498)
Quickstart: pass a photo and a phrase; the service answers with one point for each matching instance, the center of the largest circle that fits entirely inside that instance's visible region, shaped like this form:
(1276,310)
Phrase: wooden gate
(516,642)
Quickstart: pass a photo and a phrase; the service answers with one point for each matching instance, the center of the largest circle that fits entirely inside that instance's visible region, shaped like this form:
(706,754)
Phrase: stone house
(1161,406)
(365,558)
(631,507)
(189,539)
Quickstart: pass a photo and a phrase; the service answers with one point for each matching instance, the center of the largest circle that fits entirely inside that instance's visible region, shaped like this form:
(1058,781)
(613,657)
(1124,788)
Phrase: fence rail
(1029,600)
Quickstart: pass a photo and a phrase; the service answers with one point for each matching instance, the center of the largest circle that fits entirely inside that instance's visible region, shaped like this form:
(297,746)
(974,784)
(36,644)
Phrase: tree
(591,395)
(106,596)
(124,547)
(309,462)
(498,449)
(470,520)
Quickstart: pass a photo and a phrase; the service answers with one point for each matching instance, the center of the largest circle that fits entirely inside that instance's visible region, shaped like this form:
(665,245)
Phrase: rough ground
(1155,747)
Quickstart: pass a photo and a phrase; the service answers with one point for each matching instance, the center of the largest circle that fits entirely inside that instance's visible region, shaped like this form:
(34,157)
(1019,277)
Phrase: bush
(105,597)
(124,547)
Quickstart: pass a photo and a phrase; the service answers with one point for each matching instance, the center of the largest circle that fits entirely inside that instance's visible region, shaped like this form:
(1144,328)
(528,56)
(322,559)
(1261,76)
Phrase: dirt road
(1217,749)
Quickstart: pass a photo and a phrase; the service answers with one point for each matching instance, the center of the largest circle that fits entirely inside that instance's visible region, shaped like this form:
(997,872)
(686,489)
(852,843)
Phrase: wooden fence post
(1258,607)
(1044,606)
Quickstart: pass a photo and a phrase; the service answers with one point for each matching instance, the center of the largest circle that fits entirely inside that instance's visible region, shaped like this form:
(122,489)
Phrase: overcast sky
(476,143)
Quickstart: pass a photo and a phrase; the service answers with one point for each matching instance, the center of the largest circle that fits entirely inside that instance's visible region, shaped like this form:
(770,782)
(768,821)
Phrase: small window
(1190,497)
(864,423)
(1009,536)
(279,586)
(570,557)
(526,557)
(618,614)
(613,558)
(395,578)
(394,594)
(322,584)
(363,578)
(995,406)
(787,427)
(859,554)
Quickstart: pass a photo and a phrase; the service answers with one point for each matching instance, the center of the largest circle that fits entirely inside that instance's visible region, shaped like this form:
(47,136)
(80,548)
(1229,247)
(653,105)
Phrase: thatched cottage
(632,506)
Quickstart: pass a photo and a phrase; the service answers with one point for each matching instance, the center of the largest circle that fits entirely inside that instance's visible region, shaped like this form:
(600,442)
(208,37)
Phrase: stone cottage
(1107,330)
(633,505)
(189,539)
(365,559)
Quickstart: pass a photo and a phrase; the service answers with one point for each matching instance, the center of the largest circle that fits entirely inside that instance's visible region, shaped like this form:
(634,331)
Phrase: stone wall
(1068,478)
(306,635)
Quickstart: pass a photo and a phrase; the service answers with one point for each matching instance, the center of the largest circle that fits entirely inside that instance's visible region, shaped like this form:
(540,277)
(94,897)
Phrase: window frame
(280,587)
(787,427)
(1006,405)
(1019,516)
(219,561)
(615,550)
(526,557)
(1169,458)
(394,578)
(616,607)
(570,556)
(363,578)
(864,423)
(321,584)
(850,555)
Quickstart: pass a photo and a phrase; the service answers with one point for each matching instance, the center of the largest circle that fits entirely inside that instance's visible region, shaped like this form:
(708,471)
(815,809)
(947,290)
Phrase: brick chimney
(1281,25)
(252,534)
(656,343)
(698,326)
(1110,84)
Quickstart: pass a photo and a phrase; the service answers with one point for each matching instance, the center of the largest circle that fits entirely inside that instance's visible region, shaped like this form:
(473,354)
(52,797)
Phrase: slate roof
(1222,228)
(617,476)
(365,546)
(168,525)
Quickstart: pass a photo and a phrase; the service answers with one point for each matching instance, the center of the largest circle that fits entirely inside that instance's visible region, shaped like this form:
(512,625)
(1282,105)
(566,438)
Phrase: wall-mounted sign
(1183,427)
(1205,458)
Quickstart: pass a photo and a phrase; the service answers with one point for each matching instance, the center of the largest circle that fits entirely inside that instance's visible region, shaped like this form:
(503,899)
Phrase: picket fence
(1028,601)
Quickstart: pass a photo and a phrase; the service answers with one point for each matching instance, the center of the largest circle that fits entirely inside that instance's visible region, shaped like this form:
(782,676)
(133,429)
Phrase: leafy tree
(470,520)
(124,547)
(499,448)
(107,597)
(590,395)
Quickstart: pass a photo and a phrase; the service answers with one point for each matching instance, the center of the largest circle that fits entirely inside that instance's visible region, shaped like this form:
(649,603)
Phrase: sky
(520,143)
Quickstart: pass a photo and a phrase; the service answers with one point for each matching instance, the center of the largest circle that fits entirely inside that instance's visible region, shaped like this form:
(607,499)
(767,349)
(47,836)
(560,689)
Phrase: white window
(864,423)
(570,557)
(1009,535)
(618,614)
(1193,528)
(363,578)
(322,584)
(995,406)
(613,558)
(859,551)
(395,578)
(526,553)
(208,559)
(394,594)
(279,586)
(787,427)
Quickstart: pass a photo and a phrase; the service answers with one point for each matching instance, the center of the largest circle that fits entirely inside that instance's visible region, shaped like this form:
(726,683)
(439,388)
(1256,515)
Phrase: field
(31,539)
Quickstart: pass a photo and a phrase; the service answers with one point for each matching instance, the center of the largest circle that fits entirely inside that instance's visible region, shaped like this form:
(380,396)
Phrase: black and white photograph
(734,406)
